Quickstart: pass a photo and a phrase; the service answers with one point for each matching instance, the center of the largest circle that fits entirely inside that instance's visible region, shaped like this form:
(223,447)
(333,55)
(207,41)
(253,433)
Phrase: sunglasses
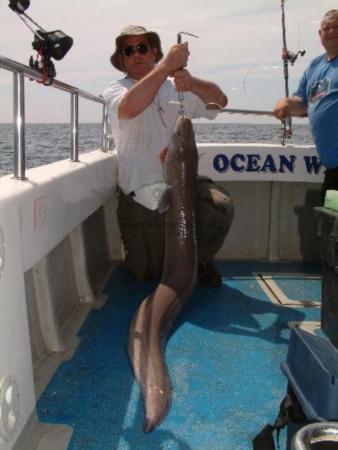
(139,48)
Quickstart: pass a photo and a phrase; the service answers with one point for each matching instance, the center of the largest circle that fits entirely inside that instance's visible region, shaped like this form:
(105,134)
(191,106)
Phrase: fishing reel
(291,56)
(48,44)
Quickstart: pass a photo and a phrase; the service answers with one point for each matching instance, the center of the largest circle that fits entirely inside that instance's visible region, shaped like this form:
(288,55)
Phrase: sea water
(46,142)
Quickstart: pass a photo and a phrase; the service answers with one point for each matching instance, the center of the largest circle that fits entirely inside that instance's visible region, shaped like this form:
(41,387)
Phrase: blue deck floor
(224,359)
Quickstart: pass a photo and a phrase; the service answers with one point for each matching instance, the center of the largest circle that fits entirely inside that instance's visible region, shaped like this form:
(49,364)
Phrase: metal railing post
(19,72)
(104,143)
(19,125)
(75,127)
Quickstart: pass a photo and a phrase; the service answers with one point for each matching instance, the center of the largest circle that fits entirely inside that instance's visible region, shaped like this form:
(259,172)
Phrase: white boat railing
(20,71)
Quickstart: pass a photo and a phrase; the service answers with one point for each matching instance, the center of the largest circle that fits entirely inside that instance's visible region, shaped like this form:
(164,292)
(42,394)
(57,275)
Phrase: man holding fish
(143,108)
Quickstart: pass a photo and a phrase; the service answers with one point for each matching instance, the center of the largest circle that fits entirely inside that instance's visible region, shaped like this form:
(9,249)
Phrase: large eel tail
(147,333)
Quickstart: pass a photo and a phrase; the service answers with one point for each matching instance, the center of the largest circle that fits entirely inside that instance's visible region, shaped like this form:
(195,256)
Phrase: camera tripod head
(48,44)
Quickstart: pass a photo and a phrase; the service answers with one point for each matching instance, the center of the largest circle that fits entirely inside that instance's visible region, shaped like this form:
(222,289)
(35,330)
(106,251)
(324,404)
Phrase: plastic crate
(312,370)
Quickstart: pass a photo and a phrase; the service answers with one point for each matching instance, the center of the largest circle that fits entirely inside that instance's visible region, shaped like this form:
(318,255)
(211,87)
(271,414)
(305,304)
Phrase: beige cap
(135,30)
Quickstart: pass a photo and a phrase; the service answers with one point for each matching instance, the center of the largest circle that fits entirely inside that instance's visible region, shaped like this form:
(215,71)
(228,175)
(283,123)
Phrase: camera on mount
(48,44)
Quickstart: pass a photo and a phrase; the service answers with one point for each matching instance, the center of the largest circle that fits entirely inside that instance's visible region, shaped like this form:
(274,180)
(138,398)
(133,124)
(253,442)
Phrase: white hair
(330,14)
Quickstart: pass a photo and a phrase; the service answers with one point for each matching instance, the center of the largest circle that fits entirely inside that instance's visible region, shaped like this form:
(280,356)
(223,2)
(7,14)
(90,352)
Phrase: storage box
(312,370)
(329,310)
(328,230)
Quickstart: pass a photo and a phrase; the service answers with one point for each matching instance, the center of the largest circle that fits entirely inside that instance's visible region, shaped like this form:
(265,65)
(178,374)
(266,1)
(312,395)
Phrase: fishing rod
(287,57)
(287,123)
(254,112)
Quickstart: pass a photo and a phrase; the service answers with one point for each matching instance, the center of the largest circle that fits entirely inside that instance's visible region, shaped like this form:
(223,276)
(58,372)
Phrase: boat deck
(224,358)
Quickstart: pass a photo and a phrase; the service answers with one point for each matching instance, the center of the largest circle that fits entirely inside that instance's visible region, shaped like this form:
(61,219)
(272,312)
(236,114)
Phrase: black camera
(19,6)
(48,44)
(53,44)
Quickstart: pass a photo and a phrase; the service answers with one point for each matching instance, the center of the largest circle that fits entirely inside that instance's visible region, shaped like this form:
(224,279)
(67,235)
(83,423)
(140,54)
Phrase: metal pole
(287,123)
(75,127)
(180,94)
(104,143)
(19,72)
(19,125)
(254,112)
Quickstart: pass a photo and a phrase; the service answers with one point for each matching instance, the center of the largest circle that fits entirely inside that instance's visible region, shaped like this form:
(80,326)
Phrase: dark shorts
(142,230)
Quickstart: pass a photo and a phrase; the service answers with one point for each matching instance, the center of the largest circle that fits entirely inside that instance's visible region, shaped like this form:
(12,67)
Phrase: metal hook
(180,94)
(179,35)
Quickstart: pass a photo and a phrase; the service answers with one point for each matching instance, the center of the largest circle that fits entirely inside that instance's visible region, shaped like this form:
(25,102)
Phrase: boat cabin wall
(63,287)
(273,221)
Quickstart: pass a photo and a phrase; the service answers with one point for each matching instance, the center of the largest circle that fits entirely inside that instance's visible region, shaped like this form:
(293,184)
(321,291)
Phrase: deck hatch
(278,286)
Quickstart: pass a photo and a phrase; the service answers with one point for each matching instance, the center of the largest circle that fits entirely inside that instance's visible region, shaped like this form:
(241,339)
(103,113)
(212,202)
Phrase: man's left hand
(183,80)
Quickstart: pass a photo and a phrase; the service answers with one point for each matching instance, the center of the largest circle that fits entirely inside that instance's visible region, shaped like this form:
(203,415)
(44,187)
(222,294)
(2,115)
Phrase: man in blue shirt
(317,97)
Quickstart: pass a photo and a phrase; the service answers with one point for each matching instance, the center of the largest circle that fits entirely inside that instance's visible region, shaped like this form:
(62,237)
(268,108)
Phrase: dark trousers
(142,230)
(330,181)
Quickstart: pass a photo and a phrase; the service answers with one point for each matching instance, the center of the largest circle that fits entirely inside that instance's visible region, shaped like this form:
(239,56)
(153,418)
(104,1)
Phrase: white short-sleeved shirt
(139,141)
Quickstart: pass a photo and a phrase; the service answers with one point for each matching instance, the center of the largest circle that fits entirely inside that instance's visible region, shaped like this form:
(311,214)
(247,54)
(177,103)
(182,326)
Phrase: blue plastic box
(312,370)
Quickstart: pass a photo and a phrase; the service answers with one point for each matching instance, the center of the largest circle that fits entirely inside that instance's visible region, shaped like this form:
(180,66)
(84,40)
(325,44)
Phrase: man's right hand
(177,58)
(290,106)
(282,108)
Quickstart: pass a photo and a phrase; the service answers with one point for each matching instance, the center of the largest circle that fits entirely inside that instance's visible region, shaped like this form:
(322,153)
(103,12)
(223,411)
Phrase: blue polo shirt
(318,88)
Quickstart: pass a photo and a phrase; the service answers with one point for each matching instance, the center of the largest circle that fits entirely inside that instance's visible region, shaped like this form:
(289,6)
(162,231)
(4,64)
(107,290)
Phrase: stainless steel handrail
(318,432)
(19,72)
(75,126)
(19,125)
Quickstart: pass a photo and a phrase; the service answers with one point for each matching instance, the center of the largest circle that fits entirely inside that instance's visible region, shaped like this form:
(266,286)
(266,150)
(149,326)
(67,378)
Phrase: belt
(148,196)
(131,193)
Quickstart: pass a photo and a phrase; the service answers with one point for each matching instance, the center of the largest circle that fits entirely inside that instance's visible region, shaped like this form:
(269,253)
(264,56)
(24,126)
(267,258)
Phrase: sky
(239,47)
